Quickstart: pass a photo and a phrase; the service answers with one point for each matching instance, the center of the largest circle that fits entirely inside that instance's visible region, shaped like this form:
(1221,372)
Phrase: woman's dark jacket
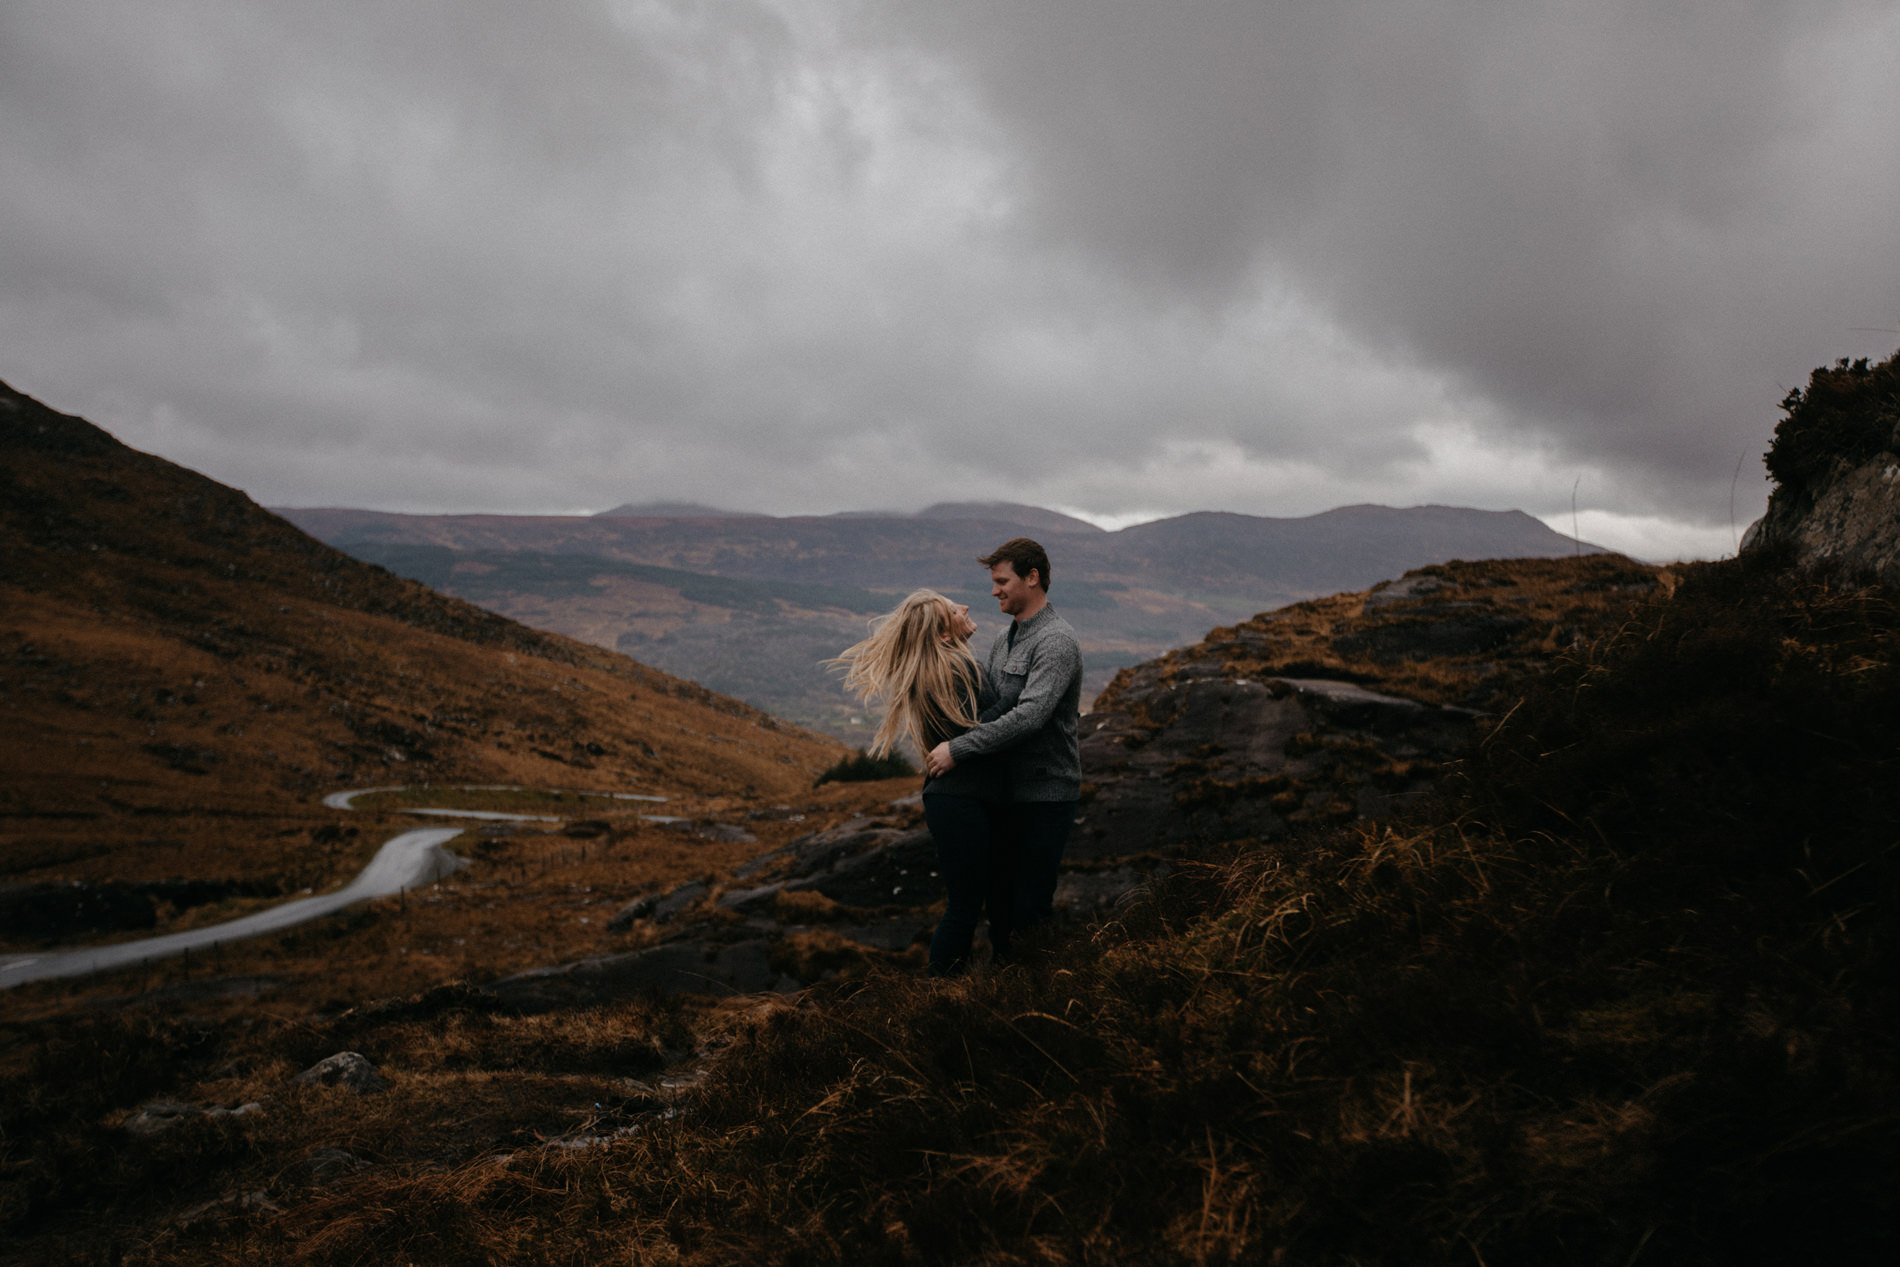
(984,777)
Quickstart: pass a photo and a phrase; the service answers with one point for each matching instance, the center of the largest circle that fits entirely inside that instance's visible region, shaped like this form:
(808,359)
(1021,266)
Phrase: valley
(751,605)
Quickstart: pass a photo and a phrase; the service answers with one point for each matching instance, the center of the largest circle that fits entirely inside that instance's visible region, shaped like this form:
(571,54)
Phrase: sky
(1120,259)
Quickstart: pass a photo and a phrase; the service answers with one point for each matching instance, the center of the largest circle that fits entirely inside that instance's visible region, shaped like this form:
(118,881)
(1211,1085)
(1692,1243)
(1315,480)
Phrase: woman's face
(957,624)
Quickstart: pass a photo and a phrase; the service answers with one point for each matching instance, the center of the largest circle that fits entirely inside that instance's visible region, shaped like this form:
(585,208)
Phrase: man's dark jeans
(1035,834)
(968,834)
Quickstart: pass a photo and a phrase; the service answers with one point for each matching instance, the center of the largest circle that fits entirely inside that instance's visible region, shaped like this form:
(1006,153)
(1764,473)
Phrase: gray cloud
(799,256)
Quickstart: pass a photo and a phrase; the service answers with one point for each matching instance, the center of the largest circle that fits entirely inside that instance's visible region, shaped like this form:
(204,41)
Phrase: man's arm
(1052,666)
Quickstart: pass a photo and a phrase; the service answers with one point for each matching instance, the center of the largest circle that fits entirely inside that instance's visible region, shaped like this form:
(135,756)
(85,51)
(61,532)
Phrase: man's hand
(940,762)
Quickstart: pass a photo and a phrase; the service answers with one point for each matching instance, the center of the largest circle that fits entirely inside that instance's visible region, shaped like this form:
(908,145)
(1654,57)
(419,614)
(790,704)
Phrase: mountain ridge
(1132,593)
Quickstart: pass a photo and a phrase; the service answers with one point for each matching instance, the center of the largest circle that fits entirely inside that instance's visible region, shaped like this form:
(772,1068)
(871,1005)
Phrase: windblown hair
(924,682)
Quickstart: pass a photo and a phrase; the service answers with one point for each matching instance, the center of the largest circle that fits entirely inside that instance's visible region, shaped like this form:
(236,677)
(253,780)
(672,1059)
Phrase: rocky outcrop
(1340,708)
(1836,464)
(1210,758)
(1851,520)
(1318,713)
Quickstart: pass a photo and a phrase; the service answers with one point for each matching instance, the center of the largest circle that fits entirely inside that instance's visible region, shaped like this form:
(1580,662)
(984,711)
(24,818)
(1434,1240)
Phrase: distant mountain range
(749,605)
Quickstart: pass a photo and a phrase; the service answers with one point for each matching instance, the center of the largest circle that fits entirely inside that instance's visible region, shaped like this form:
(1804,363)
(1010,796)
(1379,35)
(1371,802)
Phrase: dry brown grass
(1593,1015)
(1546,606)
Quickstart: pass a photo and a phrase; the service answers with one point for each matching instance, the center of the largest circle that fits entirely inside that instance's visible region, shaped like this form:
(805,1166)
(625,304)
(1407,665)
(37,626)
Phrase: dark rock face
(900,869)
(658,907)
(690,966)
(1209,759)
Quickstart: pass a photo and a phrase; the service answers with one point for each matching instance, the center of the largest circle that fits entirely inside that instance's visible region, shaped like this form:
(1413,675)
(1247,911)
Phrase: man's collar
(1020,623)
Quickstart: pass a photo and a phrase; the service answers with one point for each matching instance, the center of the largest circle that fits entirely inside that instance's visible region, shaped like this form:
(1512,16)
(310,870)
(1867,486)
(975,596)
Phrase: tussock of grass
(865,768)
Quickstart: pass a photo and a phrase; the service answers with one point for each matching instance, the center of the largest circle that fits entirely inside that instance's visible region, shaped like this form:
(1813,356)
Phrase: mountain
(1033,518)
(183,675)
(751,606)
(672,510)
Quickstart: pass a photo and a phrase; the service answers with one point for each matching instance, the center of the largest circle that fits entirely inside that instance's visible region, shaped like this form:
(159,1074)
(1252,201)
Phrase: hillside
(1192,757)
(183,675)
(1623,994)
(750,605)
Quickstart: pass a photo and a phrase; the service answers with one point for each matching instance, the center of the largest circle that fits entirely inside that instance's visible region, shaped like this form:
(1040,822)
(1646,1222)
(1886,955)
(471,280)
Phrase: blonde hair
(923,680)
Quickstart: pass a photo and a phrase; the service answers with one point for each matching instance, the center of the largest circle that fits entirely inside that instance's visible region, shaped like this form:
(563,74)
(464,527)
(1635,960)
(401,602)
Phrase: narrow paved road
(407,861)
(411,859)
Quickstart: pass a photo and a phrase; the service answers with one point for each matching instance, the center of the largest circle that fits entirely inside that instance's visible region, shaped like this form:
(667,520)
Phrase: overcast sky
(1123,259)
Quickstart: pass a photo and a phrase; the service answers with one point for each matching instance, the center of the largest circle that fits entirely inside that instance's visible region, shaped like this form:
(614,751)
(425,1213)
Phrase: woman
(917,666)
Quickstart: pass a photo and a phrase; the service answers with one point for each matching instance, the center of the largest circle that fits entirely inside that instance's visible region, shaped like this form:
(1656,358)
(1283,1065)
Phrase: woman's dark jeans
(966,833)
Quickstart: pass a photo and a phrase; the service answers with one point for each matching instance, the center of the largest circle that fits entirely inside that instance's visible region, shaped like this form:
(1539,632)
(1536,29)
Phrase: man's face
(1012,593)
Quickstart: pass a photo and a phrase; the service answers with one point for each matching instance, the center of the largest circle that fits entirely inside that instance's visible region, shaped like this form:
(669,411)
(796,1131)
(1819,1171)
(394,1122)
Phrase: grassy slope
(1627,995)
(183,676)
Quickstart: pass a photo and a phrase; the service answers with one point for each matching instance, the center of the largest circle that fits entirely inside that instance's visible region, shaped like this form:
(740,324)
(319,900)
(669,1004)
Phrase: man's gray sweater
(1038,680)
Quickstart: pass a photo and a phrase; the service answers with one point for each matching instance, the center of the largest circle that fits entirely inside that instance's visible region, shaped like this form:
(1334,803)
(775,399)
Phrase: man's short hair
(1021,554)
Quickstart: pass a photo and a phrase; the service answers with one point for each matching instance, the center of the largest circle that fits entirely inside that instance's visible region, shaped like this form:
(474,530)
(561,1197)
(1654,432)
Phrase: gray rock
(689,966)
(1404,590)
(325,1165)
(899,871)
(764,861)
(1204,759)
(679,899)
(638,909)
(657,907)
(1085,892)
(1851,518)
(749,899)
(242,1110)
(161,1115)
(822,849)
(350,1070)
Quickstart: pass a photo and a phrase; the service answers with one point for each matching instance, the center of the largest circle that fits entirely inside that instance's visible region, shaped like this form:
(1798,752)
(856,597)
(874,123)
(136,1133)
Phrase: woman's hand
(939,762)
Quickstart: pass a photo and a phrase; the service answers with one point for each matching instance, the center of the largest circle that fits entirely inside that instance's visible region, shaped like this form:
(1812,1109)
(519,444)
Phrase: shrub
(865,768)
(1849,413)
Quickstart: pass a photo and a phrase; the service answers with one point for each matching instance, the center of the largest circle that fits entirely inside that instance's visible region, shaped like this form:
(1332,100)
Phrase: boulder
(161,1115)
(819,850)
(749,899)
(900,870)
(1222,758)
(658,908)
(688,966)
(350,1070)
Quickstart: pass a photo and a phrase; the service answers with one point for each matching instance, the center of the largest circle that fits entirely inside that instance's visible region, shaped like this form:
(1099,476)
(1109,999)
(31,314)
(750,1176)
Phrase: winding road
(407,861)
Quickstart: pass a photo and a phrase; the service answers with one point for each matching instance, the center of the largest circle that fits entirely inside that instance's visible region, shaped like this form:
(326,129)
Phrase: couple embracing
(999,743)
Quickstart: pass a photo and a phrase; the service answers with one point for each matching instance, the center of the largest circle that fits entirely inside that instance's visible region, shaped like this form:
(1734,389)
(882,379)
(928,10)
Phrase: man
(1036,666)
